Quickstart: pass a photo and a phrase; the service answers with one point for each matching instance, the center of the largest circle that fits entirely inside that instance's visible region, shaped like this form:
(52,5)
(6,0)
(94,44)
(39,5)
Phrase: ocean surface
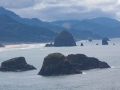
(95,79)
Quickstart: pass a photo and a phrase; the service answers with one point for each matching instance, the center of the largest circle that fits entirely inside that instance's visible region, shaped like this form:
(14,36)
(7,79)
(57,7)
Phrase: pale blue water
(98,79)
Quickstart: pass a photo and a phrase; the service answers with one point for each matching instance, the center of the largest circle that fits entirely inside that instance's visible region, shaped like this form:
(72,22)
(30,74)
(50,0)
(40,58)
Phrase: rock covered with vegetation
(16,64)
(57,63)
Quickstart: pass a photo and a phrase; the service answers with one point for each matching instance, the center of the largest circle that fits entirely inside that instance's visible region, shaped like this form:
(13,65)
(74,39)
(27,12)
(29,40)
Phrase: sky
(52,10)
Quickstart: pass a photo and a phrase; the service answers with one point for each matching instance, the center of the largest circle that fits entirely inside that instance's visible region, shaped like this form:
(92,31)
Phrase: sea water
(95,79)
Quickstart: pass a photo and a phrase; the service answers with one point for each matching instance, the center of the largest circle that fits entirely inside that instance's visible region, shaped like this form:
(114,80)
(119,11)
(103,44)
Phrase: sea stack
(81,44)
(57,64)
(104,41)
(16,64)
(63,39)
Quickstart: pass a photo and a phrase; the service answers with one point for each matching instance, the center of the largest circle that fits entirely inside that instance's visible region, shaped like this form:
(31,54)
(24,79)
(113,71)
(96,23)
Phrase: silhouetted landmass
(16,64)
(13,31)
(56,26)
(57,64)
(80,29)
(33,21)
(101,26)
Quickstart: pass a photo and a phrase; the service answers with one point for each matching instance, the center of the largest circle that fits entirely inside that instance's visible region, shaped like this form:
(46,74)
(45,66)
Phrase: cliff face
(64,39)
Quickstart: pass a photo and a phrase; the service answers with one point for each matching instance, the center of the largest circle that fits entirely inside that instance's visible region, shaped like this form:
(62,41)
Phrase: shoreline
(24,45)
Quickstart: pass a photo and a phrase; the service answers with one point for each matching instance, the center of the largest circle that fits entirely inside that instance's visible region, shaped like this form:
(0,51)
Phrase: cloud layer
(49,10)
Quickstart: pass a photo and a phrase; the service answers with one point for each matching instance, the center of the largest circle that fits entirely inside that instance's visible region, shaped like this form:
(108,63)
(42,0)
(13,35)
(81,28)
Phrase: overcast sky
(50,10)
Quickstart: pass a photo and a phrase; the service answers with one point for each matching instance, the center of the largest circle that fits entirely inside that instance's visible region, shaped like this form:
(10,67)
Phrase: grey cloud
(73,12)
(59,9)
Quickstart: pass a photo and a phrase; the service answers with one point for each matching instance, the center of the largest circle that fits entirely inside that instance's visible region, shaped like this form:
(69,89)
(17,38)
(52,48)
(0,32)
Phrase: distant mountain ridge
(57,28)
(102,26)
(106,21)
(33,21)
(14,32)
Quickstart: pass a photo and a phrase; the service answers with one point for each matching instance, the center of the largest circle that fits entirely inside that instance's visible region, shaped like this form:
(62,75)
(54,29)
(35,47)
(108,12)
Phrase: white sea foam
(113,67)
(83,73)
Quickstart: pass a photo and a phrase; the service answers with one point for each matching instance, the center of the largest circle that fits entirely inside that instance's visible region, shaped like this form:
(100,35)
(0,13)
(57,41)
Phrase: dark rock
(90,39)
(64,39)
(84,63)
(57,63)
(49,45)
(97,44)
(104,41)
(103,65)
(16,64)
(81,44)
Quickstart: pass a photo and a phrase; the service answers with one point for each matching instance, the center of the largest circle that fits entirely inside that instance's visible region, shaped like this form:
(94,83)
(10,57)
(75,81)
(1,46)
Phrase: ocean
(94,79)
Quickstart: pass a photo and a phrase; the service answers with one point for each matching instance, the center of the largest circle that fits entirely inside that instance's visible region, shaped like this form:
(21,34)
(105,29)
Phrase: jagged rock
(104,41)
(57,63)
(64,39)
(16,64)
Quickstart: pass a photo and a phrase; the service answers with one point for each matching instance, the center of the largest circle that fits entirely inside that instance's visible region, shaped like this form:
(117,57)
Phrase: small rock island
(63,39)
(105,41)
(16,64)
(57,64)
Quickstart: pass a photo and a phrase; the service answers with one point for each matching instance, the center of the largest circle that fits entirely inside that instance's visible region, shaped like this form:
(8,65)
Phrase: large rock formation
(16,64)
(63,39)
(83,62)
(57,63)
(104,41)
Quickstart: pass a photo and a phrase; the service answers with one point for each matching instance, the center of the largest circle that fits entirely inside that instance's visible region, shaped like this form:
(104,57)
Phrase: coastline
(12,46)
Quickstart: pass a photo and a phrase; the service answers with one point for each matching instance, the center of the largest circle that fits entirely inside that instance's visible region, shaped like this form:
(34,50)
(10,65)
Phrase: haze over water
(97,79)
